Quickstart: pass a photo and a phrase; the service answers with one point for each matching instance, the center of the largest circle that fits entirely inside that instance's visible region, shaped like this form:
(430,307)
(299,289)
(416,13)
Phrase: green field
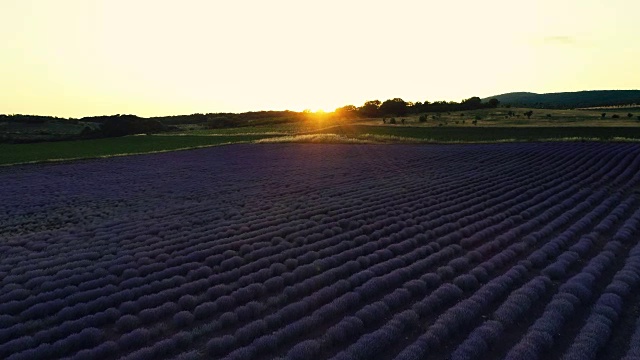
(493,125)
(83,149)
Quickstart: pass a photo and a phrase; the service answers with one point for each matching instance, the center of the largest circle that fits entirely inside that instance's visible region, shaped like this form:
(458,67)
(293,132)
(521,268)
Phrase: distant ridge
(569,100)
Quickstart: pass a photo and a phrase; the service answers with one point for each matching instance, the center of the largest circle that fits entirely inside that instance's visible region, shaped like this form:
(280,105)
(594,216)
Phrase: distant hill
(33,128)
(570,100)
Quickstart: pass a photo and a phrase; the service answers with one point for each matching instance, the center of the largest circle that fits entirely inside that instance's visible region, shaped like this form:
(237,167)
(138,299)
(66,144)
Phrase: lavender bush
(324,251)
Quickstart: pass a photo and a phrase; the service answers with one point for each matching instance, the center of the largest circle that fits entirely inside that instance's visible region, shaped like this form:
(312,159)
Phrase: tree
(121,125)
(603,115)
(396,106)
(370,108)
(493,103)
(471,103)
(528,114)
(347,111)
(629,115)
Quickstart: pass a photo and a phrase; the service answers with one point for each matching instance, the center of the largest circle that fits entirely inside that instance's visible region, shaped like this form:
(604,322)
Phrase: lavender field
(303,251)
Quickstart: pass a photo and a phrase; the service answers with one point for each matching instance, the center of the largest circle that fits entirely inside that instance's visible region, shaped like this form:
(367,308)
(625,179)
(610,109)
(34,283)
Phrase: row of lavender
(323,251)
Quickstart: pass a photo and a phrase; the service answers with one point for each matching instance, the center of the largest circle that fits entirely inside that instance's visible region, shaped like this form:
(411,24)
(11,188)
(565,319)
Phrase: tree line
(121,125)
(399,107)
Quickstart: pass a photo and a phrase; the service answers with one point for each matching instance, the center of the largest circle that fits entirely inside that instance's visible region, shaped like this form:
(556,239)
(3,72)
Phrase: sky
(74,58)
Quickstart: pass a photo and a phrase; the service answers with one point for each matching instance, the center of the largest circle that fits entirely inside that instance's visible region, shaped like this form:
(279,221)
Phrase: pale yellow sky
(74,58)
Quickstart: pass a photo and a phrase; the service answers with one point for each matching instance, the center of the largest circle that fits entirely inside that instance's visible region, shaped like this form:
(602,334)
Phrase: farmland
(95,148)
(477,126)
(482,134)
(361,132)
(331,251)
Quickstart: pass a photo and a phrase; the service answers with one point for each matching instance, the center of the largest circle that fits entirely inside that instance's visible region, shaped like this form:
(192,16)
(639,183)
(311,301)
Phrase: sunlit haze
(74,58)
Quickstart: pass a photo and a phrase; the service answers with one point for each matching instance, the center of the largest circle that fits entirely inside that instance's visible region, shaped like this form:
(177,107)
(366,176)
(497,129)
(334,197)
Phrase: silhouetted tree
(603,115)
(629,115)
(471,103)
(370,108)
(346,108)
(347,111)
(528,114)
(615,116)
(394,106)
(493,103)
(121,125)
